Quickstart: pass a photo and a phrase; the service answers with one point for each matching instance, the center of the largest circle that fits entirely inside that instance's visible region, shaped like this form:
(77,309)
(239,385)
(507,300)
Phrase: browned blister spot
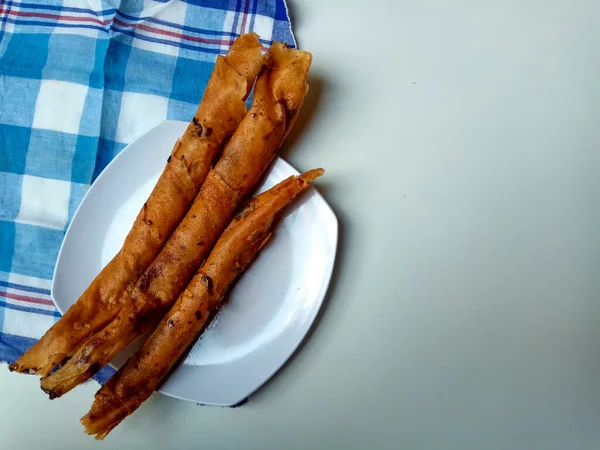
(153,272)
(208,281)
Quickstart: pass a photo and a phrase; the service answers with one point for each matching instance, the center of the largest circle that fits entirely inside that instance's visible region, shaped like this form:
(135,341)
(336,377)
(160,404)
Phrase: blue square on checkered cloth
(61,65)
(115,65)
(191,76)
(14,346)
(150,72)
(7,244)
(10,195)
(35,250)
(14,142)
(132,6)
(77,192)
(84,160)
(111,108)
(92,112)
(41,162)
(178,110)
(281,31)
(217,4)
(25,56)
(107,150)
(17,108)
(97,75)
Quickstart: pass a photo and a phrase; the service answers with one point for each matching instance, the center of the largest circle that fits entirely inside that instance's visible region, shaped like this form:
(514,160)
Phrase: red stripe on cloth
(54,16)
(23,298)
(245,16)
(227,42)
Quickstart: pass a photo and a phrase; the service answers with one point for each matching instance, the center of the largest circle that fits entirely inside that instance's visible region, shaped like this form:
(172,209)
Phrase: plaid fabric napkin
(78,82)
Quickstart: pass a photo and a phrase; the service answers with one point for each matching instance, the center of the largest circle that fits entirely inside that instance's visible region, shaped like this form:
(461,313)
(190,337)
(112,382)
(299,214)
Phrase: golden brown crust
(218,115)
(235,249)
(278,95)
(246,156)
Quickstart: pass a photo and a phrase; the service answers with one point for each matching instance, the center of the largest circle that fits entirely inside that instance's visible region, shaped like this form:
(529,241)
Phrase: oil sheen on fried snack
(220,112)
(279,92)
(233,252)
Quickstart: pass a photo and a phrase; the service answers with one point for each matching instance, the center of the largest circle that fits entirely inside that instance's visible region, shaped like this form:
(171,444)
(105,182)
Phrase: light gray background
(461,142)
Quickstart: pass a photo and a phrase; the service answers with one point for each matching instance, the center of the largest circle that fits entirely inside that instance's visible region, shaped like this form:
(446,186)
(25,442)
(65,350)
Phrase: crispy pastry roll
(219,114)
(278,95)
(233,252)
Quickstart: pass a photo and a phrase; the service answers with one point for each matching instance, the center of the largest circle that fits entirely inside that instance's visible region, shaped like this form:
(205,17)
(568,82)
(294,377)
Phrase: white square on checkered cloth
(96,5)
(228,23)
(152,108)
(263,26)
(44,202)
(25,280)
(59,106)
(86,32)
(22,323)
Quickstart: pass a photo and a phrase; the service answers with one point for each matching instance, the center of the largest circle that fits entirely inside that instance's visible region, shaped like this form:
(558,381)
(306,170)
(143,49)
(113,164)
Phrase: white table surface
(461,142)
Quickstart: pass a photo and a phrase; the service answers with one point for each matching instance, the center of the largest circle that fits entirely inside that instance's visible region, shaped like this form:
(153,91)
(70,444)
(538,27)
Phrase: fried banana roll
(278,95)
(218,115)
(196,305)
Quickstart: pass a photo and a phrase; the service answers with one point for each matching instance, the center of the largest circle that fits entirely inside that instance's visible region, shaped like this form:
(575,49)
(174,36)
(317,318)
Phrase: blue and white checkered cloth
(78,82)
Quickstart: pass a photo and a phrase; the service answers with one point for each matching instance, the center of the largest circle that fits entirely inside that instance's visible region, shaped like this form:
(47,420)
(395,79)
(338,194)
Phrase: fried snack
(278,95)
(233,252)
(220,112)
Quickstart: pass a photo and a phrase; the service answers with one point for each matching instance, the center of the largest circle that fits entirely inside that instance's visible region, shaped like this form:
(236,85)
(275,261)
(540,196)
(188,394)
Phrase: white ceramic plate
(269,311)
